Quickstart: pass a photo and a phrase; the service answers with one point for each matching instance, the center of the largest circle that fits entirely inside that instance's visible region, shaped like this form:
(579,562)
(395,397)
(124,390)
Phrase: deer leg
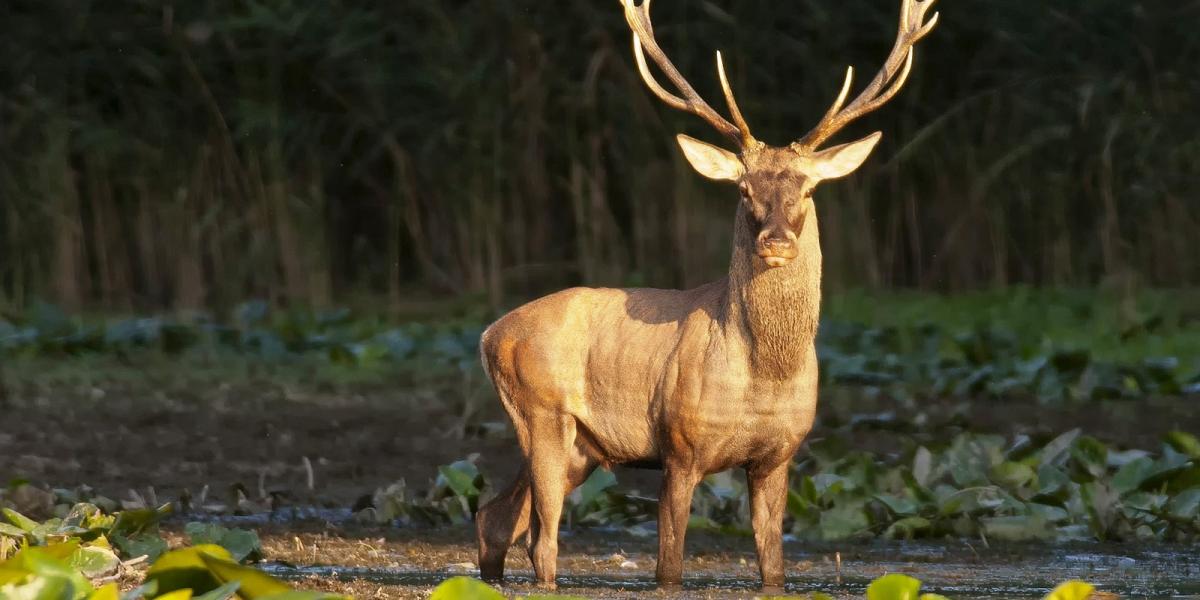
(674,508)
(768,499)
(549,468)
(500,523)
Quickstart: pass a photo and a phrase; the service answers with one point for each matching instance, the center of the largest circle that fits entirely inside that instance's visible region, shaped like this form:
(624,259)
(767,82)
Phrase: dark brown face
(776,204)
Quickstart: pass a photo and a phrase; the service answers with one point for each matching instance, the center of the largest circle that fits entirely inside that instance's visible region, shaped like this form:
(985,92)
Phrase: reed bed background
(189,155)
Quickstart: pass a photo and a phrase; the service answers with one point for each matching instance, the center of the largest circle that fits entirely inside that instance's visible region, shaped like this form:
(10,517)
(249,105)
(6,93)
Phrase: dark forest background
(189,155)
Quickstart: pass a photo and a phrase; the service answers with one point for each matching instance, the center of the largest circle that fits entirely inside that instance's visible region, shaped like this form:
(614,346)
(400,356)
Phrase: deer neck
(774,311)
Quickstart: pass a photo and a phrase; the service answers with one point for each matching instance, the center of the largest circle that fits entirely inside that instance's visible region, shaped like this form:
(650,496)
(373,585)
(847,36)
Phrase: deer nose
(773,240)
(777,243)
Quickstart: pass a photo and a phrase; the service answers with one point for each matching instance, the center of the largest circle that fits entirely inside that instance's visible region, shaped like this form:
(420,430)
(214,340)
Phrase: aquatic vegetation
(1070,488)
(1051,345)
(62,557)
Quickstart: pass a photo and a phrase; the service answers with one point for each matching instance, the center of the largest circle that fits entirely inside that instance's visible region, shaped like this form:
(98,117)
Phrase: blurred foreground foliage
(88,551)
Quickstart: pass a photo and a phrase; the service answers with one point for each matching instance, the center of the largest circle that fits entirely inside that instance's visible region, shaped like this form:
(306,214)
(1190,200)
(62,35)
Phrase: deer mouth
(775,259)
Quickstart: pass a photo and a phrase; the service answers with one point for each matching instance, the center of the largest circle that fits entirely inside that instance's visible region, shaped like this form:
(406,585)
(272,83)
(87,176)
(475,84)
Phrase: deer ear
(711,161)
(840,161)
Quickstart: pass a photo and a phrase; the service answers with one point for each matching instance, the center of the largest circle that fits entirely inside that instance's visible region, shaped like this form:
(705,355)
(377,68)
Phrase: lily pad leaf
(254,583)
(1071,590)
(894,586)
(94,561)
(465,588)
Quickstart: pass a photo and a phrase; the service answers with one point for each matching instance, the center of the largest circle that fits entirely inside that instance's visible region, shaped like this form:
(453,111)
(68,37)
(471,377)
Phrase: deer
(696,381)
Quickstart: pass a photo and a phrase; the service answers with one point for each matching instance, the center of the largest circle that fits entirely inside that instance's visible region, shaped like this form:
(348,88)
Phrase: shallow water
(1028,572)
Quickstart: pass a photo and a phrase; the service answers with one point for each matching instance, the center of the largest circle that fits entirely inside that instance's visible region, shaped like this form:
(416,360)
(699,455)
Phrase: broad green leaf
(1186,505)
(148,544)
(19,520)
(1055,452)
(1185,443)
(184,594)
(899,506)
(146,590)
(1049,513)
(240,543)
(843,521)
(1144,473)
(975,499)
(1016,528)
(94,561)
(254,583)
(42,588)
(1071,590)
(130,523)
(1090,457)
(600,480)
(460,478)
(225,592)
(465,588)
(185,568)
(108,591)
(1054,487)
(907,528)
(12,531)
(894,586)
(1013,475)
(46,562)
(1131,476)
(932,597)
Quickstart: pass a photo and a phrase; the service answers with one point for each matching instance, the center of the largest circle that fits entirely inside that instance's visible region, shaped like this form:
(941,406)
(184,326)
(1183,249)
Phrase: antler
(885,85)
(638,18)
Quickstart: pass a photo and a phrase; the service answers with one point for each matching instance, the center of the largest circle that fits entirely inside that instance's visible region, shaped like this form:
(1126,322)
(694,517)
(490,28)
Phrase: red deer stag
(702,380)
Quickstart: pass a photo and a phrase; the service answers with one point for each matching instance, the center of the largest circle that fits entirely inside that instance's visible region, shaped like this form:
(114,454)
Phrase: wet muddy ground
(177,429)
(374,563)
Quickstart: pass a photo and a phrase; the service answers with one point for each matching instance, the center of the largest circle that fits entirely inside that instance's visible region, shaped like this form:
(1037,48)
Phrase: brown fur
(702,380)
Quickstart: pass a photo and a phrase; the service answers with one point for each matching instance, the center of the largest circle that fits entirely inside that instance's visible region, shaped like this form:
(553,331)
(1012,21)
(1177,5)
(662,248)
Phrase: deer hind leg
(500,523)
(556,466)
(506,519)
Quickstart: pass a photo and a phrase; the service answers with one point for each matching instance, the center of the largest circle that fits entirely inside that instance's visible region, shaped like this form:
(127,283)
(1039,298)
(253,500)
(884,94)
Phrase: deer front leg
(768,499)
(674,508)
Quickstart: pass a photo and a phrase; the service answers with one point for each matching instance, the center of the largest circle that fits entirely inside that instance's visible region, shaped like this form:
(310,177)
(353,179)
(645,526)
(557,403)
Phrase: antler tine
(638,18)
(734,111)
(887,82)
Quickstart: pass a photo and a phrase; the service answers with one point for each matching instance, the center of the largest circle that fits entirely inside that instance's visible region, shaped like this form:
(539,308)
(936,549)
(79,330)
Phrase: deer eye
(744,190)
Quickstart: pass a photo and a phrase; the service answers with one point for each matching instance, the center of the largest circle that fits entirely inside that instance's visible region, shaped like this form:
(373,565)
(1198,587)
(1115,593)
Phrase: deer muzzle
(777,249)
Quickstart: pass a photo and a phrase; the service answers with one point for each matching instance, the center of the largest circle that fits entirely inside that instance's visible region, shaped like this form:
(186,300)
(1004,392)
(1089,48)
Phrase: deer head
(777,183)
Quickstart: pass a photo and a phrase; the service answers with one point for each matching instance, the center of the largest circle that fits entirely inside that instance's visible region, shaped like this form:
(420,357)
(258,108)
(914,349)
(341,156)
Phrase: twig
(310,479)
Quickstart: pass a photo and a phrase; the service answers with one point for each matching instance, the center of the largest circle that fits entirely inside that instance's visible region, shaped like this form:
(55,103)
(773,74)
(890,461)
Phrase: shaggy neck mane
(775,311)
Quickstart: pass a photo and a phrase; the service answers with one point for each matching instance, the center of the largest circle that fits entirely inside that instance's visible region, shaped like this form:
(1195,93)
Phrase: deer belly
(617,432)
